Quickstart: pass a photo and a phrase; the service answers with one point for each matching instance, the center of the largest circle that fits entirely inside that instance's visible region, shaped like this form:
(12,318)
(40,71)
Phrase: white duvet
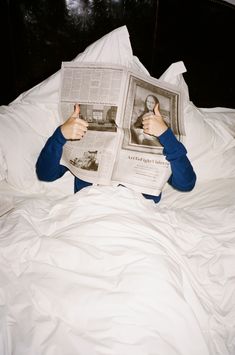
(106,271)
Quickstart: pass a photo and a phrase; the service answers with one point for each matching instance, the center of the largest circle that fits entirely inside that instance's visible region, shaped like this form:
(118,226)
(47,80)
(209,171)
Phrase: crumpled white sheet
(107,272)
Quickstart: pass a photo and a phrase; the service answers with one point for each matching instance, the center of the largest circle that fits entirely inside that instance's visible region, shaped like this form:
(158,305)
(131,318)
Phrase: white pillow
(220,117)
(209,132)
(29,120)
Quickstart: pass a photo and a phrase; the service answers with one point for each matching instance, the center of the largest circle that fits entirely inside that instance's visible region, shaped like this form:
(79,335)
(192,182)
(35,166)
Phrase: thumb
(156,110)
(76,110)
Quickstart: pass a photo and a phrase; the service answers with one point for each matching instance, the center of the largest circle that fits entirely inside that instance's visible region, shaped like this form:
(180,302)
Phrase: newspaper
(115,150)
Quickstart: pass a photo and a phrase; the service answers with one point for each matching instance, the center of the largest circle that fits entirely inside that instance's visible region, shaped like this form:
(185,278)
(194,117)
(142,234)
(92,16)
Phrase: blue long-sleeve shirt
(183,177)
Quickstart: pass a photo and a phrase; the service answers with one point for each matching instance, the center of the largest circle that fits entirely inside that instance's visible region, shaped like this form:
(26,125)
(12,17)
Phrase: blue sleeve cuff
(58,136)
(167,138)
(172,148)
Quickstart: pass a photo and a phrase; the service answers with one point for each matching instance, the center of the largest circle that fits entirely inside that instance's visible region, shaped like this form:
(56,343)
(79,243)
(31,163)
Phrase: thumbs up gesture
(153,124)
(74,128)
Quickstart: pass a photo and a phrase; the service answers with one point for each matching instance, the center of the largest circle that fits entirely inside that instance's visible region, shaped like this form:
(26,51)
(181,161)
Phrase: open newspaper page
(140,163)
(115,150)
(98,89)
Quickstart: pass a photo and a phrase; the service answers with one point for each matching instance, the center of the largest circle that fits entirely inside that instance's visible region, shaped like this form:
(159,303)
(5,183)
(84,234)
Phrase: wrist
(60,136)
(161,131)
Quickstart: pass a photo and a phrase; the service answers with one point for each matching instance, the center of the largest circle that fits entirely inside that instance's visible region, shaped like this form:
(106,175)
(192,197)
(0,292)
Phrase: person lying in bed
(48,167)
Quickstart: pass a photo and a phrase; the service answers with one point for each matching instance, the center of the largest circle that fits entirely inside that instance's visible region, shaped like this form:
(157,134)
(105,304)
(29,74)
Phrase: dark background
(37,35)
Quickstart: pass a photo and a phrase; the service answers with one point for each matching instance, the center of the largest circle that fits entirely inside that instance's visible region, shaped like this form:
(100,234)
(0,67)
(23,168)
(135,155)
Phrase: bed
(105,271)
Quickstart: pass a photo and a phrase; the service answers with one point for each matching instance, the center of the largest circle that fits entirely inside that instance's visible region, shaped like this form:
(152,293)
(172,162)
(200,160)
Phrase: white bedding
(105,271)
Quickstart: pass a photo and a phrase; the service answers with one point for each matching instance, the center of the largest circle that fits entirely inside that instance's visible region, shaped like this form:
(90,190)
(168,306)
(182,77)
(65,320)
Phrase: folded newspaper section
(115,150)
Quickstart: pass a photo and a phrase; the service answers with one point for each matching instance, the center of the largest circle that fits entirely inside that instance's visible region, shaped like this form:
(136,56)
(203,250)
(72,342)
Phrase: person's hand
(74,128)
(153,124)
